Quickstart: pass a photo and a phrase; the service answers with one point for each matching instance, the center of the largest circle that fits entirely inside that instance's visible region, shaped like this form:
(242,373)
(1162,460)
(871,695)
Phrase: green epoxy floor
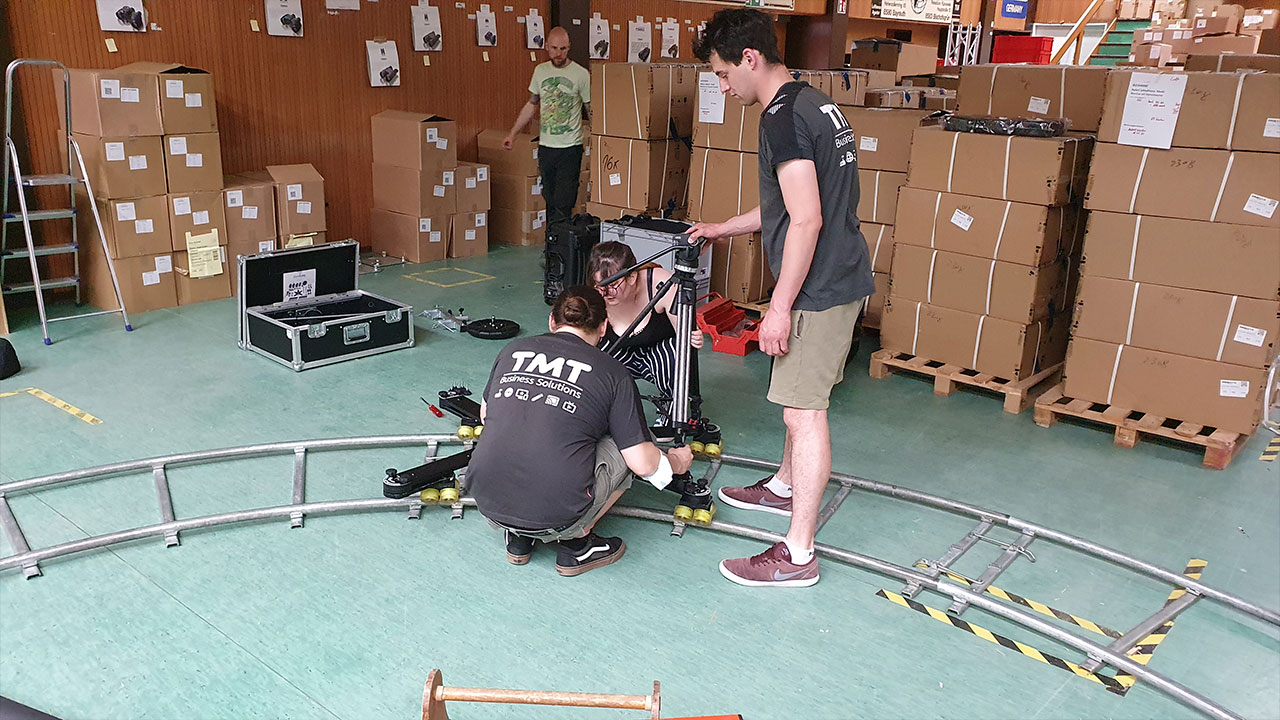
(343,619)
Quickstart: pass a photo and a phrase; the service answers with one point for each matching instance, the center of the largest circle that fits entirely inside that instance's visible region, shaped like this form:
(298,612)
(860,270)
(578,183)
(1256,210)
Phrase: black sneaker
(574,557)
(519,548)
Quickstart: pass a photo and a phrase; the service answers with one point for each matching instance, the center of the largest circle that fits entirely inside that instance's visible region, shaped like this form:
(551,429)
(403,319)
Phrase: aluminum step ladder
(26,215)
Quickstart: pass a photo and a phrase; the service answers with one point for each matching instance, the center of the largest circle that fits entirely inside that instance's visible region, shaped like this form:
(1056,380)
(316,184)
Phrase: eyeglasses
(608,290)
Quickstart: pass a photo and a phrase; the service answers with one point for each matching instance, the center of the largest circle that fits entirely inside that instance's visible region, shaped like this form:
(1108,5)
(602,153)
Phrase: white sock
(799,556)
(777,487)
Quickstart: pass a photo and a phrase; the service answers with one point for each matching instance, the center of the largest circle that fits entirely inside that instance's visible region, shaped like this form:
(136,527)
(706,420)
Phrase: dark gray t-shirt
(802,123)
(550,398)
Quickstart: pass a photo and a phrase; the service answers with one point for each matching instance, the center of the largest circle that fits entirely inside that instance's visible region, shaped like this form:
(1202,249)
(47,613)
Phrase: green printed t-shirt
(561,93)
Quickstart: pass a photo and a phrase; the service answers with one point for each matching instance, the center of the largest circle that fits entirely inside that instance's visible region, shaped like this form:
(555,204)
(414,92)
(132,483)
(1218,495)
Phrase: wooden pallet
(1017,393)
(1220,446)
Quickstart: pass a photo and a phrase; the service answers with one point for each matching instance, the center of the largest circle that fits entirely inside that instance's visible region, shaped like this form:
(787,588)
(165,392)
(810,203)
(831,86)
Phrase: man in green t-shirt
(561,88)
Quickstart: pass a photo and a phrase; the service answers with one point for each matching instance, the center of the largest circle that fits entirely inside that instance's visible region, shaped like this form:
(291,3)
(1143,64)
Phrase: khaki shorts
(816,353)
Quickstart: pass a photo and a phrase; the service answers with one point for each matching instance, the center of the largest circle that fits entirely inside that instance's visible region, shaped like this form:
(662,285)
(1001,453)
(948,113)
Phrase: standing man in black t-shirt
(563,432)
(809,225)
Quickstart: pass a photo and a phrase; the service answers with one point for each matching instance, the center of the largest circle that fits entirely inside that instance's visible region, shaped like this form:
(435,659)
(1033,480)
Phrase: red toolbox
(727,325)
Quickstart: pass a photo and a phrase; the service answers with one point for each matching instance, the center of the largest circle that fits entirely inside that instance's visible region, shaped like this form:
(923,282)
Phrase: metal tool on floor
(25,215)
(435,693)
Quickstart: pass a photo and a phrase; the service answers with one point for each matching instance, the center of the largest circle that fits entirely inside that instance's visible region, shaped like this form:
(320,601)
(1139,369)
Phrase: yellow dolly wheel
(479,429)
(449,495)
(703,517)
(712,450)
(466,432)
(430,496)
(696,447)
(683,513)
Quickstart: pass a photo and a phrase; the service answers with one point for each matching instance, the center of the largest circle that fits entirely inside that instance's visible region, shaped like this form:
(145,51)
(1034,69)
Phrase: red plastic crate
(1022,49)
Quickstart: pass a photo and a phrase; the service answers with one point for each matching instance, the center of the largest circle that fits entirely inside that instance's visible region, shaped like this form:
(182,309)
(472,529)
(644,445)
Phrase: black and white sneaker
(519,548)
(575,557)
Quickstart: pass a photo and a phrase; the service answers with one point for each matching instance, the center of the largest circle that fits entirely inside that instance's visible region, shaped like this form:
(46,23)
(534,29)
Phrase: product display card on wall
(284,18)
(122,16)
(535,38)
(639,41)
(427,35)
(670,39)
(384,63)
(599,38)
(486,27)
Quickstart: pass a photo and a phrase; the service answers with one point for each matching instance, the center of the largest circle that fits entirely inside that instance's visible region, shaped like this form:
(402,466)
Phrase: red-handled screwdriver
(434,410)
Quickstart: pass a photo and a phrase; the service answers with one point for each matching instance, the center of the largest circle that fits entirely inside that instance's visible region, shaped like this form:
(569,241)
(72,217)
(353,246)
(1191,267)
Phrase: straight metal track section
(935,577)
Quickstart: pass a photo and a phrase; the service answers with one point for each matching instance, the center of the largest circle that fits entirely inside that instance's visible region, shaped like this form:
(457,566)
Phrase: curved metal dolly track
(170,527)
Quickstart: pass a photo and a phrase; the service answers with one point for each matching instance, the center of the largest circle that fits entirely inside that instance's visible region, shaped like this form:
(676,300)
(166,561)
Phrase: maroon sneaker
(756,497)
(771,568)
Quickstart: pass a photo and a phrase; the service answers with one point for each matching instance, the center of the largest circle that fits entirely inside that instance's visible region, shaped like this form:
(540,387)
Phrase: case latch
(353,334)
(317,330)
(392,316)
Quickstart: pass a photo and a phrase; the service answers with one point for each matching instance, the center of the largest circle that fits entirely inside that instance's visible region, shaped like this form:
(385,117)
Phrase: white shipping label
(1233,388)
(1260,205)
(115,151)
(164,264)
(1151,107)
(869,144)
(435,237)
(195,159)
(433,134)
(1272,128)
(1155,53)
(424,225)
(151,278)
(482,174)
(182,206)
(299,285)
(1201,23)
(442,144)
(535,153)
(304,207)
(126,211)
(470,234)
(710,99)
(471,183)
(294,191)
(536,189)
(177,146)
(144,227)
(1038,105)
(266,245)
(615,179)
(249,212)
(200,217)
(438,191)
(542,216)
(448,178)
(173,88)
(961,219)
(110,89)
(235,198)
(1250,335)
(193,100)
(130,95)
(480,220)
(137,162)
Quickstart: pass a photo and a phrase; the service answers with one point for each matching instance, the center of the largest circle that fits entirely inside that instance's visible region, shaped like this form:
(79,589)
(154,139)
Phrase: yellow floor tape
(1272,450)
(65,407)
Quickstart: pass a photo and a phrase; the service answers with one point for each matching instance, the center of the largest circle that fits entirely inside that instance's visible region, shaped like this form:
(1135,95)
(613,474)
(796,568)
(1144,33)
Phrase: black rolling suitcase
(568,248)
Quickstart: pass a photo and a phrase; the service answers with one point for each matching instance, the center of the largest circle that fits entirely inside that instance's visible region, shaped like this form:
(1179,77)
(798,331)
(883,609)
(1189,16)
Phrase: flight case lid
(292,275)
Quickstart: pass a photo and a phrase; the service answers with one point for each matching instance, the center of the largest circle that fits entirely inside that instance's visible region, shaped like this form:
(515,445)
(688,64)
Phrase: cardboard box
(879,245)
(416,239)
(878,195)
(1045,171)
(939,80)
(1014,232)
(1228,111)
(849,87)
(641,101)
(299,199)
(1128,10)
(739,269)
(1219,20)
(902,58)
(740,130)
(192,290)
(1269,42)
(250,209)
(111,103)
(414,140)
(512,227)
(1151,55)
(1215,44)
(1215,257)
(193,162)
(1007,350)
(133,227)
(1220,395)
(722,184)
(521,159)
(1260,19)
(875,304)
(1229,187)
(651,175)
(186,97)
(884,136)
(1018,293)
(1041,91)
(517,192)
(474,194)
(1195,323)
(123,167)
(146,281)
(820,80)
(607,212)
(1218,62)
(470,235)
(1144,9)
(911,97)
(196,213)
(420,193)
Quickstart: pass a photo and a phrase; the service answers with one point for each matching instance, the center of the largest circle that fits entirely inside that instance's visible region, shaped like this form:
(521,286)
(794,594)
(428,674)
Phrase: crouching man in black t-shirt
(564,431)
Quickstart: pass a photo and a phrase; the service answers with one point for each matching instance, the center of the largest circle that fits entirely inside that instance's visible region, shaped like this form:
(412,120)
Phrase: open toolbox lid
(298,274)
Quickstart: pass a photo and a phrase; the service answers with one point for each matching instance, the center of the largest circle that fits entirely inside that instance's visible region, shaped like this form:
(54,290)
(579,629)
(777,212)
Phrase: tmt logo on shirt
(539,364)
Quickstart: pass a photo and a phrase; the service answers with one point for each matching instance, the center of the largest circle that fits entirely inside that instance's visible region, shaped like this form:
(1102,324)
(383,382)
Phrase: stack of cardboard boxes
(519,215)
(426,205)
(149,136)
(640,146)
(1178,308)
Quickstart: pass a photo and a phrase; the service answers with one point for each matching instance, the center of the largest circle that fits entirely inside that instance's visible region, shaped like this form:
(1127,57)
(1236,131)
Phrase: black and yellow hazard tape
(1036,606)
(60,404)
(1272,451)
(1142,652)
(1106,681)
